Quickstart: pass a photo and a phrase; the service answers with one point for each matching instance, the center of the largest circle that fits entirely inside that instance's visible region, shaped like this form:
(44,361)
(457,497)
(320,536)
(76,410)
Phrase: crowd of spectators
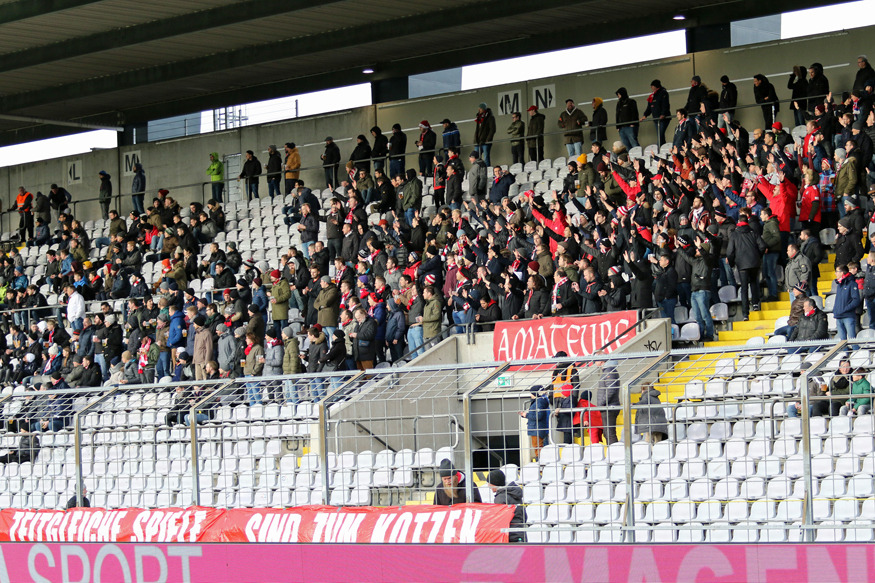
(396,266)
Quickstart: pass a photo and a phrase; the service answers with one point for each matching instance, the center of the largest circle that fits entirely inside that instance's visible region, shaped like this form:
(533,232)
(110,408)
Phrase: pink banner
(577,336)
(255,562)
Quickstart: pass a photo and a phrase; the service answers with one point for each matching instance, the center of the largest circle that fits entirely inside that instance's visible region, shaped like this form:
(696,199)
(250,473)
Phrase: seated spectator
(814,389)
(650,420)
(510,494)
(27,450)
(799,296)
(858,405)
(451,490)
(73,502)
(812,324)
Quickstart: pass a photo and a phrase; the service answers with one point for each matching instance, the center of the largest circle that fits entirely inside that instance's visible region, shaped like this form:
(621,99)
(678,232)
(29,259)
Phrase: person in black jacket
(27,450)
(745,253)
(536,301)
(397,149)
(599,131)
(251,172)
(658,105)
(274,168)
(487,314)
(331,162)
(426,143)
(798,86)
(627,119)
(512,495)
(697,95)
(764,94)
(591,292)
(728,101)
(512,300)
(380,149)
(361,154)
(818,86)
(452,488)
(665,285)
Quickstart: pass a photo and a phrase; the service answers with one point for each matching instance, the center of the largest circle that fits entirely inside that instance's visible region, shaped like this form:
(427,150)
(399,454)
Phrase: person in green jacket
(216,172)
(860,386)
(431,315)
(517,131)
(279,295)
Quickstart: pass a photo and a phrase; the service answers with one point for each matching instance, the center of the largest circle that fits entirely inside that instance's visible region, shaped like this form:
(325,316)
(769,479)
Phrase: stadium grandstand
(631,305)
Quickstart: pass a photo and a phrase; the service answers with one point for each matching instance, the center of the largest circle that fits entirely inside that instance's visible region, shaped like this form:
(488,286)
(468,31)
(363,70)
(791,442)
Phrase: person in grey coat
(273,354)
(477,179)
(608,395)
(227,349)
(650,421)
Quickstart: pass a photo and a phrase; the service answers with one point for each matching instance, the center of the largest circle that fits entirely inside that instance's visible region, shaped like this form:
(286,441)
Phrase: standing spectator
(451,137)
(599,125)
(798,86)
(869,288)
(658,106)
(279,295)
(59,199)
(608,398)
(331,163)
(327,305)
(477,176)
(517,131)
(847,246)
(251,172)
(75,308)
(727,103)
(798,270)
(772,238)
(846,303)
(745,253)
(274,351)
(24,206)
(364,346)
(292,167)
(380,149)
(764,94)
(665,285)
(138,188)
(426,143)
(397,151)
(308,226)
(535,135)
(395,330)
(537,418)
(572,121)
(818,86)
(813,250)
(627,118)
(216,172)
(361,154)
(274,168)
(484,132)
(104,194)
(700,260)
(203,347)
(431,314)
(42,209)
(227,350)
(253,365)
(696,96)
(809,210)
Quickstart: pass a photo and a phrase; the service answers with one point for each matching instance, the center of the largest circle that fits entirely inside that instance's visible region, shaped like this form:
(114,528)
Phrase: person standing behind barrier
(537,418)
(608,398)
(535,135)
(138,188)
(331,163)
(847,300)
(659,107)
(380,149)
(426,143)
(627,119)
(364,335)
(274,168)
(572,121)
(291,167)
(251,172)
(104,193)
(216,172)
(517,130)
(484,132)
(764,94)
(397,150)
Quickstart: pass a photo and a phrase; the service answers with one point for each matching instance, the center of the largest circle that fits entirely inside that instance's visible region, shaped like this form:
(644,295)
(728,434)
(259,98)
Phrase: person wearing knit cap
(512,495)
(452,489)
(426,143)
(484,132)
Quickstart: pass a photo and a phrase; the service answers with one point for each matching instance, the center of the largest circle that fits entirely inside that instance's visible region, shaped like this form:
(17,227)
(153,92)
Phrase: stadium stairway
(762,323)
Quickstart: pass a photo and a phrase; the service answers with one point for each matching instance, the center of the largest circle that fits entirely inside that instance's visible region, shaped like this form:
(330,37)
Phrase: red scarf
(528,299)
(248,349)
(144,355)
(810,312)
(556,287)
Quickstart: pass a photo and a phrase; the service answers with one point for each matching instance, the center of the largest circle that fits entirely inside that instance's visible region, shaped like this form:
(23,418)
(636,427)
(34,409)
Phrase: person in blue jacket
(175,339)
(847,301)
(538,418)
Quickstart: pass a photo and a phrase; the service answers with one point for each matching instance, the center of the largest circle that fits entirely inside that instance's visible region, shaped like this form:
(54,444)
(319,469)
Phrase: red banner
(463,523)
(577,336)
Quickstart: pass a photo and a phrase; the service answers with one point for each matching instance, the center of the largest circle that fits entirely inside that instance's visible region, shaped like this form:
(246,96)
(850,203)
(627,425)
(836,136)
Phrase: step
(724,343)
(739,335)
(754,325)
(770,314)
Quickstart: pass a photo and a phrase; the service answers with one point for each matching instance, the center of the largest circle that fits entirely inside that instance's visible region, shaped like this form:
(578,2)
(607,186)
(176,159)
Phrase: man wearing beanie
(451,490)
(203,347)
(256,324)
(512,495)
(279,296)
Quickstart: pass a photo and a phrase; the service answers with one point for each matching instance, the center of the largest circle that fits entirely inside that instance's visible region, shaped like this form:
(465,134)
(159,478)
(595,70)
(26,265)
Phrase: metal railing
(729,451)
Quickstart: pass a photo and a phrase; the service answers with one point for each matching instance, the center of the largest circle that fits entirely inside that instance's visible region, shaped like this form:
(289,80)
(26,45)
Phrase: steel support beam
(24,9)
(152,31)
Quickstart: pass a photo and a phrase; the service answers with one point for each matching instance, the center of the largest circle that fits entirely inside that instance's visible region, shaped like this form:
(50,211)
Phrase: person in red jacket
(553,218)
(809,210)
(782,201)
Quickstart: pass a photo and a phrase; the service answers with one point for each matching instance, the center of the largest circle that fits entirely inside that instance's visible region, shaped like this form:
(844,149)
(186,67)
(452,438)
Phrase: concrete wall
(183,161)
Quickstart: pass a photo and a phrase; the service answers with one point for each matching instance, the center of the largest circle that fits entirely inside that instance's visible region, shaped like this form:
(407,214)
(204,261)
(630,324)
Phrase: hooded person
(451,490)
(512,495)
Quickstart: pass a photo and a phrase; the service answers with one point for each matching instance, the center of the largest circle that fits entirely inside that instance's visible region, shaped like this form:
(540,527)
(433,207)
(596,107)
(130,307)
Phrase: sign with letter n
(544,97)
(508,102)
